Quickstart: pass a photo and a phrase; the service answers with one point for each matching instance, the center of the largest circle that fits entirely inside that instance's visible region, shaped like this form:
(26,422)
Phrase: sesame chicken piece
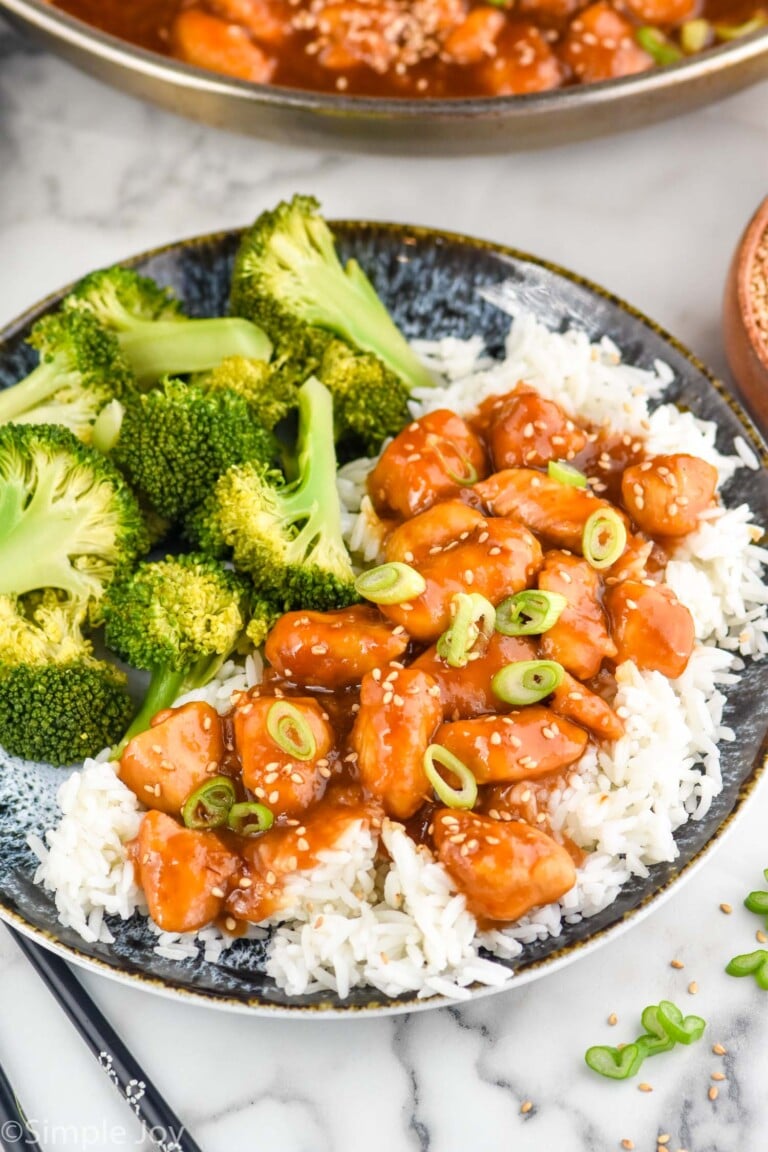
(650,627)
(218,46)
(442,524)
(433,458)
(286,782)
(580,639)
(665,496)
(523,62)
(600,45)
(550,509)
(503,869)
(182,749)
(576,702)
(475,38)
(664,11)
(522,745)
(529,431)
(333,649)
(399,713)
(466,692)
(497,559)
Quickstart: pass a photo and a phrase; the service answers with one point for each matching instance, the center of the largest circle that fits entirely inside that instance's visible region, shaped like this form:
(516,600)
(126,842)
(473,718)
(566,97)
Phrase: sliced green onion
(470,473)
(565,473)
(658,47)
(604,538)
(107,425)
(291,731)
(208,806)
(682,1029)
(734,31)
(391,583)
(250,818)
(473,617)
(757,902)
(463,797)
(696,35)
(529,613)
(615,1063)
(656,1039)
(527,681)
(751,964)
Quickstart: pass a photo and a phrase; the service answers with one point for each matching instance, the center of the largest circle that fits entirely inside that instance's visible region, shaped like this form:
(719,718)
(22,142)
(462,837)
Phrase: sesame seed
(663,1139)
(761,937)
(244,882)
(613,1019)
(297,778)
(230,924)
(676,964)
(526,1106)
(157,749)
(218,893)
(274,796)
(727,908)
(495,738)
(319,649)
(713,1093)
(693,988)
(628,1144)
(302,844)
(270,878)
(718,1076)
(719,1050)
(644,1087)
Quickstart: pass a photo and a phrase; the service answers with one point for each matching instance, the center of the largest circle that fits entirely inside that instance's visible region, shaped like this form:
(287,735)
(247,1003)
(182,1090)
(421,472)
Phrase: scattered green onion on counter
(529,613)
(392,583)
(527,681)
(463,797)
(565,473)
(249,818)
(209,805)
(604,538)
(473,617)
(751,964)
(291,731)
(665,1027)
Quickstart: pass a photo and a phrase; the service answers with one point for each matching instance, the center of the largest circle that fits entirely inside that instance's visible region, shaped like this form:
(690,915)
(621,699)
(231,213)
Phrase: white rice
(400,926)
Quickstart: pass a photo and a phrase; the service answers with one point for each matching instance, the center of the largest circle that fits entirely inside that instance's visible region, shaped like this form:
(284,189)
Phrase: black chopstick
(15,1132)
(162,1125)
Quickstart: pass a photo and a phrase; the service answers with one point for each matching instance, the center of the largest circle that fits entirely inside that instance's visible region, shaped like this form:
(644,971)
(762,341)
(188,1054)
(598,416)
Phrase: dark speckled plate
(430,280)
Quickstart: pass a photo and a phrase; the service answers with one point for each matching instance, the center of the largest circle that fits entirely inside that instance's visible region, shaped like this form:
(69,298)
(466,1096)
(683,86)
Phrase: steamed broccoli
(178,619)
(370,402)
(270,390)
(153,333)
(286,537)
(81,370)
(61,713)
(288,277)
(176,441)
(57,703)
(263,612)
(67,518)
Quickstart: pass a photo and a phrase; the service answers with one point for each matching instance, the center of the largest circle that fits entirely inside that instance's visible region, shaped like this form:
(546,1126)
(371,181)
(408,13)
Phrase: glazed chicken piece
(333,649)
(650,626)
(355,32)
(550,509)
(290,772)
(528,431)
(466,692)
(600,45)
(399,713)
(503,869)
(522,745)
(663,11)
(497,559)
(208,42)
(665,496)
(475,38)
(184,874)
(430,460)
(580,639)
(416,539)
(183,748)
(576,702)
(522,63)
(267,21)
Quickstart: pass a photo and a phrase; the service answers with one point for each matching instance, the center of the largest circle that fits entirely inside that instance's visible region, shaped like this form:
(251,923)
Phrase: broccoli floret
(263,612)
(287,276)
(178,619)
(153,333)
(270,390)
(81,370)
(287,537)
(62,712)
(176,441)
(67,518)
(370,402)
(41,628)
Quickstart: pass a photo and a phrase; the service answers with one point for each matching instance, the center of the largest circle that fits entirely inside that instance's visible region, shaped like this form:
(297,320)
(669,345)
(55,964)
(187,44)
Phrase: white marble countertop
(88,176)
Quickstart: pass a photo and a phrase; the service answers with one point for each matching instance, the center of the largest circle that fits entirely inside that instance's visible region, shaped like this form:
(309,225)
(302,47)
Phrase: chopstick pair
(161,1124)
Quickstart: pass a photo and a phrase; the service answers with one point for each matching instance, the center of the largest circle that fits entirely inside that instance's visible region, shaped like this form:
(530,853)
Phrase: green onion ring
(209,805)
(470,474)
(473,617)
(464,797)
(604,538)
(565,473)
(695,35)
(291,731)
(529,613)
(250,818)
(659,48)
(734,31)
(391,583)
(527,681)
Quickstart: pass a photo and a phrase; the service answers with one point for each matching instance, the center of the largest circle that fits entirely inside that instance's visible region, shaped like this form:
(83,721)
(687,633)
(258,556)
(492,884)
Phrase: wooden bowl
(746,344)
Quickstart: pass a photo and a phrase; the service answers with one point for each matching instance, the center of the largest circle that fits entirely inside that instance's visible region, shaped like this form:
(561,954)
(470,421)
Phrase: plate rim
(561,956)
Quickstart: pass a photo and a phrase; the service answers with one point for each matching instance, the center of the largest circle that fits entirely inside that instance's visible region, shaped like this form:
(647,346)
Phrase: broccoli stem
(38,386)
(165,686)
(173,348)
(315,495)
(36,546)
